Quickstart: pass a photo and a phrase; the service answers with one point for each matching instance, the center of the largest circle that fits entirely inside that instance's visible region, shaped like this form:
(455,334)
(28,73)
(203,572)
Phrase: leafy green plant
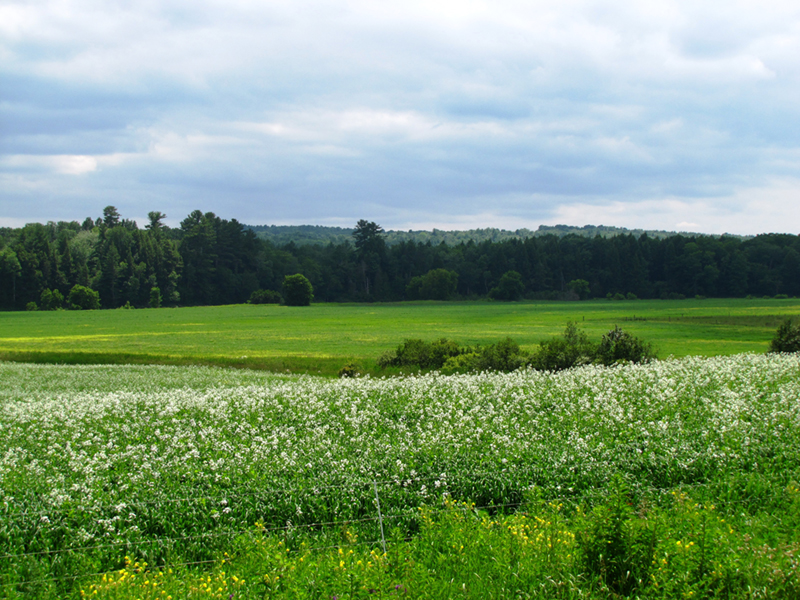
(618,346)
(787,338)
(155,297)
(349,370)
(572,349)
(422,354)
(297,290)
(51,300)
(265,297)
(504,356)
(83,298)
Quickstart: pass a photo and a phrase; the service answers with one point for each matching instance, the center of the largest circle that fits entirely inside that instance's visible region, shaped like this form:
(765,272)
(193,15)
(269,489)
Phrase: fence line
(380,518)
(447,481)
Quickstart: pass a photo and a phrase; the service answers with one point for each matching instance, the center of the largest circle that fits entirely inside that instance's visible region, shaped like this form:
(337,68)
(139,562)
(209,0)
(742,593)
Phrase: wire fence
(370,492)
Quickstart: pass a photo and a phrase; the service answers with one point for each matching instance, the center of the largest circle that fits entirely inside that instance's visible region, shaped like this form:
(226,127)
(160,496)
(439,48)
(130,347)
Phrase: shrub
(155,297)
(31,306)
(51,300)
(386,359)
(572,349)
(787,338)
(83,298)
(504,356)
(265,297)
(425,355)
(297,290)
(620,346)
(463,363)
(612,547)
(349,370)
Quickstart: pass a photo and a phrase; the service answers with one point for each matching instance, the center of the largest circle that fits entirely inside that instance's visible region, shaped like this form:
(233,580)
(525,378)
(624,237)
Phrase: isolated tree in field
(297,290)
(787,338)
(83,298)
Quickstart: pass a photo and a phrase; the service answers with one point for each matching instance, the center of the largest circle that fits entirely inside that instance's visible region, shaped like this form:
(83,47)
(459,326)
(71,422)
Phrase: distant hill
(320,234)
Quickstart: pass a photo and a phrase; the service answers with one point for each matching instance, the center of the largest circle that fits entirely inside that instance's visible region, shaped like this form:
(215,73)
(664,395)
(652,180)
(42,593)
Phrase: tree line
(208,260)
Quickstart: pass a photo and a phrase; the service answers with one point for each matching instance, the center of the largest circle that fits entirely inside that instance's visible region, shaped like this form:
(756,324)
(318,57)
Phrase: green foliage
(436,284)
(350,369)
(155,297)
(620,346)
(509,288)
(787,338)
(614,545)
(51,300)
(447,355)
(579,287)
(504,356)
(422,354)
(297,290)
(214,261)
(467,362)
(83,298)
(265,297)
(31,306)
(550,550)
(572,349)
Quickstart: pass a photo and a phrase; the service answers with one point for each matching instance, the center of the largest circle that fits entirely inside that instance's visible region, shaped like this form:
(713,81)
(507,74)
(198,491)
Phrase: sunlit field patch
(172,464)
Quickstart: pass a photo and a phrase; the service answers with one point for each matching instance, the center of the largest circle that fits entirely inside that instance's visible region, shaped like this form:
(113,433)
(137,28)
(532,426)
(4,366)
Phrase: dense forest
(209,260)
(320,234)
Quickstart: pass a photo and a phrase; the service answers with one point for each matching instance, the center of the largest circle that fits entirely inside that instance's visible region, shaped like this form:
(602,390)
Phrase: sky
(454,114)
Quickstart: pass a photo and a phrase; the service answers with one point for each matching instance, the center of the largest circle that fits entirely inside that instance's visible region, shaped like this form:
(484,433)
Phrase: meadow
(319,339)
(671,479)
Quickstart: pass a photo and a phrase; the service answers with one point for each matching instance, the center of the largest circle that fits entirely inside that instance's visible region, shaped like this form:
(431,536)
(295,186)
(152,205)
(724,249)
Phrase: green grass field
(321,338)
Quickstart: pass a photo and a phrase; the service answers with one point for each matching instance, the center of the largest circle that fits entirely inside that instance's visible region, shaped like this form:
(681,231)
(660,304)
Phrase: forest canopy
(208,260)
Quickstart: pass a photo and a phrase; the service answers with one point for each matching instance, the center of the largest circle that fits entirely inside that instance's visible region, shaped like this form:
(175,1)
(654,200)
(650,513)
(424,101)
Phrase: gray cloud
(460,113)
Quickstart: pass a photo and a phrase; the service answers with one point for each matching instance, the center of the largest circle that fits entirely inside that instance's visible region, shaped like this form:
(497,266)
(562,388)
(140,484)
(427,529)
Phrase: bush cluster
(573,348)
(265,297)
(787,338)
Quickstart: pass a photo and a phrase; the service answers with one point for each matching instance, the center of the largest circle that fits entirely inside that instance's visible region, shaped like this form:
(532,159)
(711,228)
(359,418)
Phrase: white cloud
(310,111)
(768,209)
(68,164)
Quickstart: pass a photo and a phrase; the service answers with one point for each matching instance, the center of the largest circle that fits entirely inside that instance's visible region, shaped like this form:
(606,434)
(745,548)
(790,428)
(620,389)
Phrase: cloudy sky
(678,115)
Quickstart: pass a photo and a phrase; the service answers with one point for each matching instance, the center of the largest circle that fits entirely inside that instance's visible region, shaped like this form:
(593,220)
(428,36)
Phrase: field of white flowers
(99,460)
